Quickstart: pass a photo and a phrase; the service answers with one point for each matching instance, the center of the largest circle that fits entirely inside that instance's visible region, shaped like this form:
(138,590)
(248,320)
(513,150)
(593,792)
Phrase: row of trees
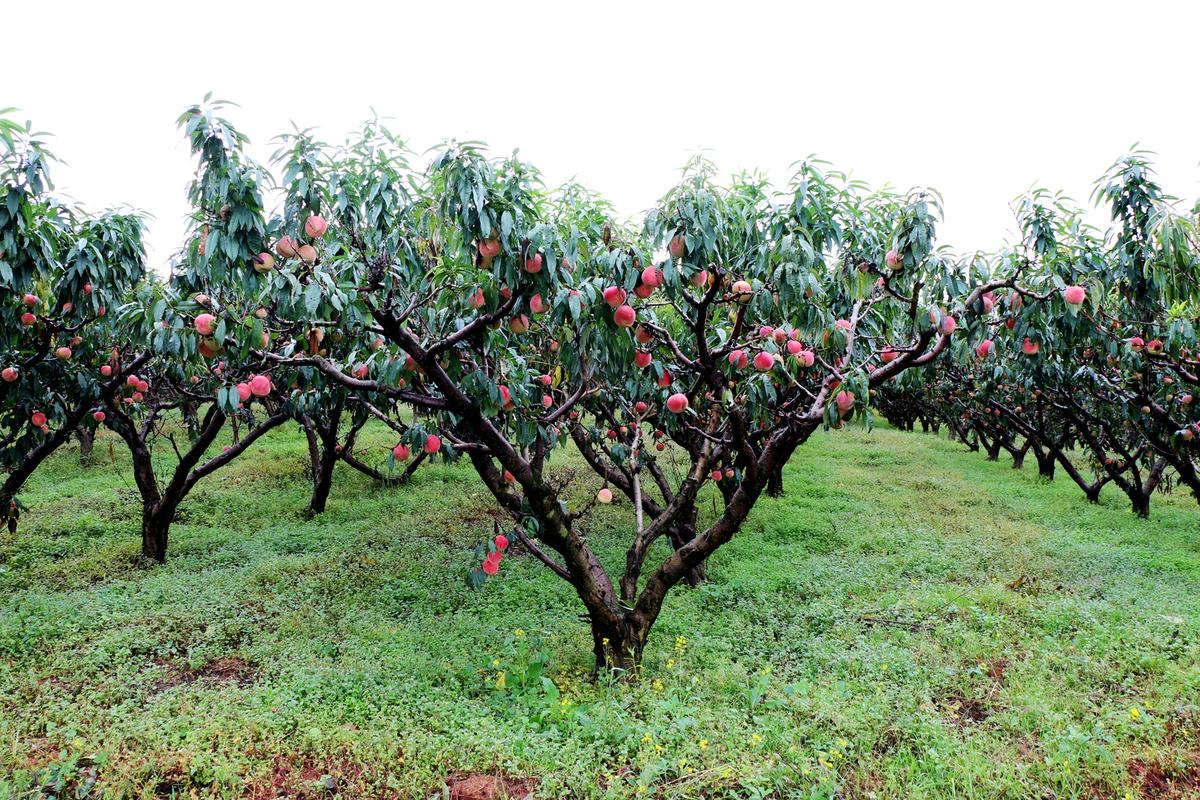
(480,315)
(1100,382)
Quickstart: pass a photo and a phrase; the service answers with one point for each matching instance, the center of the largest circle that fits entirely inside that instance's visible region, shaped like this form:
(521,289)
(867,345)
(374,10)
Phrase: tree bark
(321,487)
(87,439)
(775,483)
(324,454)
(618,647)
(156,525)
(1140,502)
(1045,465)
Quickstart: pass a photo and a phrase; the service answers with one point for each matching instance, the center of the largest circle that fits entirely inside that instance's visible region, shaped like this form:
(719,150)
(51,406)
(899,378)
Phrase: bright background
(979,100)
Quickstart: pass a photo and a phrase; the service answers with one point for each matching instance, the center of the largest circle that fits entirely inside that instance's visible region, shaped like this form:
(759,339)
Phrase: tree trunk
(775,483)
(1046,465)
(1092,494)
(87,439)
(321,487)
(156,525)
(1140,501)
(10,512)
(1018,457)
(618,647)
(993,450)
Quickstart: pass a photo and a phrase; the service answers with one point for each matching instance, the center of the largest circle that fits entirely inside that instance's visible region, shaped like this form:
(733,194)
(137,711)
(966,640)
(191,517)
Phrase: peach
(614,296)
(286,247)
(489,248)
(205,324)
(315,226)
(260,385)
(263,262)
(677,247)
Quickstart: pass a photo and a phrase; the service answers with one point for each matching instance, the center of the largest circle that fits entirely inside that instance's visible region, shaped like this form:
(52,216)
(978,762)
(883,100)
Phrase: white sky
(979,100)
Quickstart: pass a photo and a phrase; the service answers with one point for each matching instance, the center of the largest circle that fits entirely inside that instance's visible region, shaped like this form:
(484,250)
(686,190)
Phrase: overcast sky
(979,100)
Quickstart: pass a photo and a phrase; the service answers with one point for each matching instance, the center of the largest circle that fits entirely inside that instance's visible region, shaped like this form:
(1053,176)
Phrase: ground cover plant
(909,619)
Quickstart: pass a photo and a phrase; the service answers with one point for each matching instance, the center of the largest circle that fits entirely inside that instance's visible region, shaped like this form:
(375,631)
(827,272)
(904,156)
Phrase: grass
(909,620)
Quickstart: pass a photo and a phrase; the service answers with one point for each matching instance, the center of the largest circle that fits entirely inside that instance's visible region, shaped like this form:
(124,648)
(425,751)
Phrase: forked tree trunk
(619,647)
(323,453)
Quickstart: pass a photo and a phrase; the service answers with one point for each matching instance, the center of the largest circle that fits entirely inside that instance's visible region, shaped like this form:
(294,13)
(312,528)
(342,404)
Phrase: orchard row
(480,316)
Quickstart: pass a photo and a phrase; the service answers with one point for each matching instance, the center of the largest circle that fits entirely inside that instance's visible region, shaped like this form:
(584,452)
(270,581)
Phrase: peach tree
(206,327)
(1106,360)
(729,327)
(62,269)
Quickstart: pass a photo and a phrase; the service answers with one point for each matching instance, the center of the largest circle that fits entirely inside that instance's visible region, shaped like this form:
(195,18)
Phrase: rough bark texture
(87,440)
(775,483)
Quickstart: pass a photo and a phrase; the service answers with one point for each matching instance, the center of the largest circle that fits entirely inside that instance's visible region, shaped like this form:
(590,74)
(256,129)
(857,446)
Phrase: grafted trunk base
(618,648)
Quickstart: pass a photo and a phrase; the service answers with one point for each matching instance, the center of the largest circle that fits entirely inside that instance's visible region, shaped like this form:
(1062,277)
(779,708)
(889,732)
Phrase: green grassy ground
(908,621)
